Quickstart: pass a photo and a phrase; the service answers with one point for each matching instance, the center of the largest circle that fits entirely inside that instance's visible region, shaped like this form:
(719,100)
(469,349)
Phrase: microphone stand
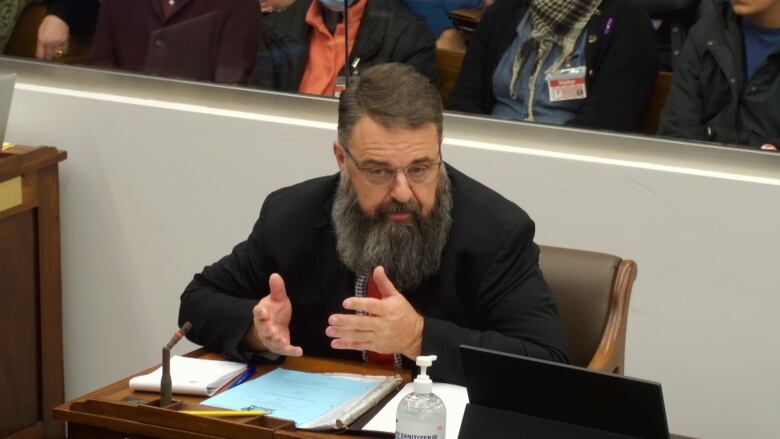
(346,44)
(166,384)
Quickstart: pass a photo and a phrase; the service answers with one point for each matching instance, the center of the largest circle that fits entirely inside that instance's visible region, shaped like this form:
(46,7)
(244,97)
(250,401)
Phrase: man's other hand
(391,324)
(271,328)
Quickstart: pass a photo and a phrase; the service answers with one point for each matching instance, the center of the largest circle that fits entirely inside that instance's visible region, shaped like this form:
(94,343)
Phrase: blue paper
(289,394)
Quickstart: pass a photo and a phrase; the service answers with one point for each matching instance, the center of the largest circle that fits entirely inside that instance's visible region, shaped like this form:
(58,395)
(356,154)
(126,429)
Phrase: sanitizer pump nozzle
(423,383)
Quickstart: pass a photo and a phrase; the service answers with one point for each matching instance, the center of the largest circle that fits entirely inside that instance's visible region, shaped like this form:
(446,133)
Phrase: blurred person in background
(303,49)
(587,63)
(194,39)
(10,10)
(437,14)
(727,86)
(64,17)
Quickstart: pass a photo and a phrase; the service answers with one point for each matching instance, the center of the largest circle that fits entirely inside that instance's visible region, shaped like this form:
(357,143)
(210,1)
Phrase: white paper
(455,399)
(191,376)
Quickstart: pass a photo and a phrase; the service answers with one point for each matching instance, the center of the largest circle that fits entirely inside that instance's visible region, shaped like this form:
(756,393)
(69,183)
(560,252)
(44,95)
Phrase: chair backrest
(593,291)
(448,63)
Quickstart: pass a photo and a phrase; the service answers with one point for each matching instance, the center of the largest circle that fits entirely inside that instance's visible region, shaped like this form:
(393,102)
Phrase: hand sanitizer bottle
(421,414)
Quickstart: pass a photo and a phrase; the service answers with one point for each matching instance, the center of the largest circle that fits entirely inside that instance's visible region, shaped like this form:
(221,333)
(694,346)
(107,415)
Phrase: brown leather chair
(593,291)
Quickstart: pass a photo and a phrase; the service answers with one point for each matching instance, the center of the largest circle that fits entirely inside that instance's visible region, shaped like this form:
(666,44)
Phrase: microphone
(166,385)
(178,335)
(346,44)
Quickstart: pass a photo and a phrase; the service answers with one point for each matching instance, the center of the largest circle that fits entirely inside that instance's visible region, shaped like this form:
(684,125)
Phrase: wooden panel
(448,63)
(50,307)
(31,375)
(80,431)
(10,193)
(20,404)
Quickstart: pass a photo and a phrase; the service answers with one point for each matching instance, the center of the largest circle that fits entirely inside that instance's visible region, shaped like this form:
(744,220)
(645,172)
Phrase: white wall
(151,192)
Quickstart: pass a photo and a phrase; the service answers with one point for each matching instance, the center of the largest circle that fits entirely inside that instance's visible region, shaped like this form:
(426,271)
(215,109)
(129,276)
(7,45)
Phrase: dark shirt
(79,15)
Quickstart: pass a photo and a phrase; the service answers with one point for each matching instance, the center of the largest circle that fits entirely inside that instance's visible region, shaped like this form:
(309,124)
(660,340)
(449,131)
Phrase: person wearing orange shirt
(304,51)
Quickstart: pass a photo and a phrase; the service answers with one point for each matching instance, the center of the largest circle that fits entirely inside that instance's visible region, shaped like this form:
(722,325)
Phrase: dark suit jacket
(489,291)
(213,40)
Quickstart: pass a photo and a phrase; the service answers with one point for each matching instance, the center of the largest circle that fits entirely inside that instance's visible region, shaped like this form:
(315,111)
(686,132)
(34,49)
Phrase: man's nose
(401,190)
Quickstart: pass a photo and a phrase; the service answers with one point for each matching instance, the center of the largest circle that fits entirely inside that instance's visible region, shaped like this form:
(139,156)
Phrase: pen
(226,412)
(244,376)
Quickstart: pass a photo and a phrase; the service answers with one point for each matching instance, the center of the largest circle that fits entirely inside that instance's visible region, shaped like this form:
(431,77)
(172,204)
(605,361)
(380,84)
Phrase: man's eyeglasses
(417,173)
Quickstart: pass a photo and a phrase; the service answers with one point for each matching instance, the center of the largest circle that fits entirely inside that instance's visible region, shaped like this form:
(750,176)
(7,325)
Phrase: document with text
(312,400)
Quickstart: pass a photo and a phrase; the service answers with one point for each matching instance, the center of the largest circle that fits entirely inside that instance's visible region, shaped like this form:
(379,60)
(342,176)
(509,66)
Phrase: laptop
(6,93)
(539,398)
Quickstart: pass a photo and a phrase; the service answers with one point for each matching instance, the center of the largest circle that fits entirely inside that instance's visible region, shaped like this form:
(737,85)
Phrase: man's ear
(338,151)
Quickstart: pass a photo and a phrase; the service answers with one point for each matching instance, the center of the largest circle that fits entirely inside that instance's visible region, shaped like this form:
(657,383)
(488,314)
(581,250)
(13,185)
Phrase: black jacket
(489,291)
(620,56)
(389,32)
(710,97)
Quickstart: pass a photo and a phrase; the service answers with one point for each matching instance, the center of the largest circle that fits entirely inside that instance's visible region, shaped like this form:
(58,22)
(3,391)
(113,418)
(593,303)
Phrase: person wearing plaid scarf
(554,23)
(518,43)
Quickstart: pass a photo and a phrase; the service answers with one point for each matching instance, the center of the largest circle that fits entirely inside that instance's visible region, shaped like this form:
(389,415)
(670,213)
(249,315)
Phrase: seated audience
(195,39)
(64,17)
(397,255)
(727,86)
(10,10)
(588,63)
(304,43)
(672,20)
(436,14)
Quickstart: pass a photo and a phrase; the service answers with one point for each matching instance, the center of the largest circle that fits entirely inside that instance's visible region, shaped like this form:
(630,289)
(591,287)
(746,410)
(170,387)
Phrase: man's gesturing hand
(271,328)
(392,324)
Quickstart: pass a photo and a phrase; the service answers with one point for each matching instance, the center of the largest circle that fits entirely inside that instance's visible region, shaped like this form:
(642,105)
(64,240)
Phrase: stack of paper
(191,376)
(312,400)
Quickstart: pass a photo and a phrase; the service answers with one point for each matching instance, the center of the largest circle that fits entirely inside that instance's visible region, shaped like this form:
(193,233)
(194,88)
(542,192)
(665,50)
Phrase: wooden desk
(31,377)
(104,414)
(110,412)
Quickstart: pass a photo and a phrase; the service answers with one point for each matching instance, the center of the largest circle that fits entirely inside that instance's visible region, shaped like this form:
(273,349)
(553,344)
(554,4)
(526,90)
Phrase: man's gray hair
(394,95)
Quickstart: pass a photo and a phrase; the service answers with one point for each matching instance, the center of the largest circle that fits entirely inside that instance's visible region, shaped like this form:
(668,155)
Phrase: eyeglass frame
(405,169)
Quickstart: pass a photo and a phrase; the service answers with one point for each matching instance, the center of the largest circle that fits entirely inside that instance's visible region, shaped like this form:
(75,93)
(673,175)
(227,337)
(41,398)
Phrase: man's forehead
(372,137)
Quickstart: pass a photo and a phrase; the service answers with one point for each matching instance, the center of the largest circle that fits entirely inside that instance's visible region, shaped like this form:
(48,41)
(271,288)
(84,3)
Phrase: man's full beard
(409,251)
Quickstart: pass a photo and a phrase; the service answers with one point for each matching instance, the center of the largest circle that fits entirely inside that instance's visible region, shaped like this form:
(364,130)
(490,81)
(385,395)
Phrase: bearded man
(398,255)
